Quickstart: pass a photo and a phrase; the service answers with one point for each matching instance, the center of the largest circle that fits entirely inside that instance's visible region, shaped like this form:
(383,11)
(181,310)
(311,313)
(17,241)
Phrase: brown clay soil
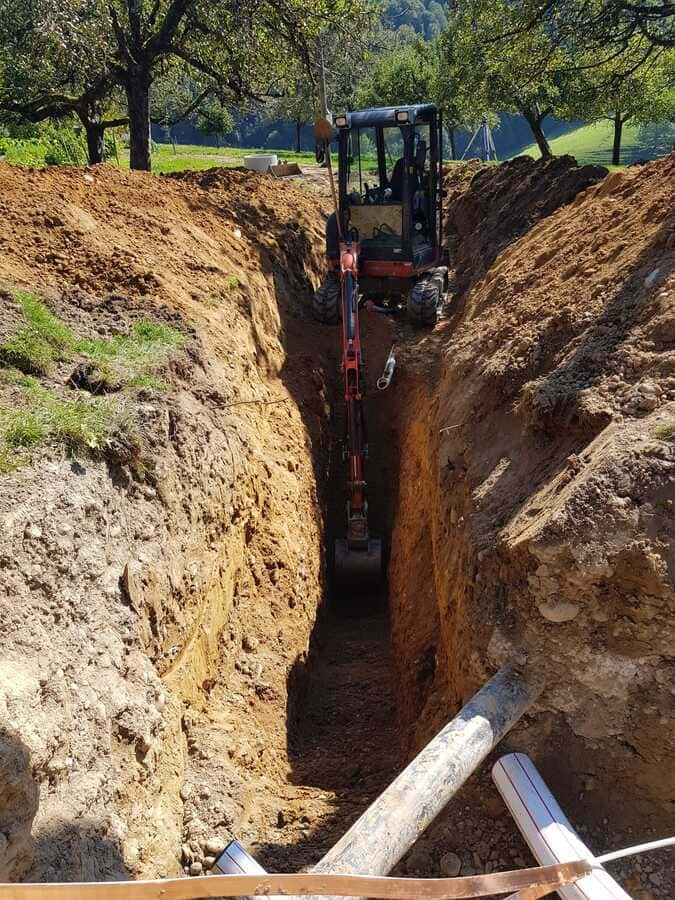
(172,674)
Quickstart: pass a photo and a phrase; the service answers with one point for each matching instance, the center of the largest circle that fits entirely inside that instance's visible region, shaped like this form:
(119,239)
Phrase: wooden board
(285,170)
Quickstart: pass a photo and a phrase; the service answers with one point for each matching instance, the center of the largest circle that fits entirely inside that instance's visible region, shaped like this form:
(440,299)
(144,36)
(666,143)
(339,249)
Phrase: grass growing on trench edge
(121,362)
(666,431)
(42,341)
(42,417)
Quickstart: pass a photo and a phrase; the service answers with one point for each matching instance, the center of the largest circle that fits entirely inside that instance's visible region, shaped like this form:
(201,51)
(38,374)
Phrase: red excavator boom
(358,558)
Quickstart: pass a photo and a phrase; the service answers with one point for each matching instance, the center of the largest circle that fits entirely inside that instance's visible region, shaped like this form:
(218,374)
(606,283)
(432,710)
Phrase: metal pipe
(392,824)
(384,380)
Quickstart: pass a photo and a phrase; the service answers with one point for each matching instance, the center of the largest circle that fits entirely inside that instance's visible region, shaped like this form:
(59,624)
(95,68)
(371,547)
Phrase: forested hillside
(426,17)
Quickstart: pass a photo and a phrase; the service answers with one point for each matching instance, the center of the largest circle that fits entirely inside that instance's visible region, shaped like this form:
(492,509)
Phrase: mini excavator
(384,248)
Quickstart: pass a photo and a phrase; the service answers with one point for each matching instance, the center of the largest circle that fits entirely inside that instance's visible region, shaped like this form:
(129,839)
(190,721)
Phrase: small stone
(185,792)
(449,865)
(249,643)
(494,807)
(419,861)
(209,862)
(187,855)
(196,868)
(561,611)
(34,532)
(651,279)
(214,846)
(281,819)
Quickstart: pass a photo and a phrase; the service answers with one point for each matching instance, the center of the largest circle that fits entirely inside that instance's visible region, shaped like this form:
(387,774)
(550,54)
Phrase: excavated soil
(175,669)
(490,206)
(537,482)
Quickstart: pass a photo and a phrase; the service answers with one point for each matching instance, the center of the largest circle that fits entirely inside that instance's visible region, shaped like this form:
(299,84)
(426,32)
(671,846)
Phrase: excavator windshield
(387,177)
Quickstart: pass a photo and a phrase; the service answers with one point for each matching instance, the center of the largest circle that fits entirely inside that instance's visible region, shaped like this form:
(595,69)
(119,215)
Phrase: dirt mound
(550,500)
(501,203)
(114,232)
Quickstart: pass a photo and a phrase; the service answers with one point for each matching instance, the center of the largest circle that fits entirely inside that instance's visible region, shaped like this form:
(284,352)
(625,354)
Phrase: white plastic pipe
(547,830)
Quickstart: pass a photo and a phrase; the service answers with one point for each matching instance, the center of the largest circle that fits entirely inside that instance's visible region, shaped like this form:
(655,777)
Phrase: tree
(644,96)
(55,62)
(214,118)
(241,53)
(527,74)
(403,75)
(606,27)
(297,104)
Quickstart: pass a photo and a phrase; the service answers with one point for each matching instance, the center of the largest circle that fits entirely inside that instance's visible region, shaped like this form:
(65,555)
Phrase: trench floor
(343,747)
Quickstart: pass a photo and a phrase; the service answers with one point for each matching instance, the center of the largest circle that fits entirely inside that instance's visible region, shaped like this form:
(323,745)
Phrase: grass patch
(592,144)
(8,461)
(117,362)
(231,282)
(42,341)
(666,431)
(132,360)
(81,422)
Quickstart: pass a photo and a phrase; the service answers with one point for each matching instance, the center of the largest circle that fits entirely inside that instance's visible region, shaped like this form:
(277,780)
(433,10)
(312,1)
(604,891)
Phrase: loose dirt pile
(536,484)
(501,203)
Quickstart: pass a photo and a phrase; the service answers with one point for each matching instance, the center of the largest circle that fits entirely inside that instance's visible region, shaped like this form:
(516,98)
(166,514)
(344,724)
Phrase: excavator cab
(389,189)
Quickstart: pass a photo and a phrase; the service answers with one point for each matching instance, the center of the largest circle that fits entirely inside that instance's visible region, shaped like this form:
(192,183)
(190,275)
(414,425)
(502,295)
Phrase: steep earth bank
(536,485)
(129,576)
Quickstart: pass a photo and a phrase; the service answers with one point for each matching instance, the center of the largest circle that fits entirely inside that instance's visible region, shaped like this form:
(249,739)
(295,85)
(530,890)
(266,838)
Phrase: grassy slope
(190,156)
(593,144)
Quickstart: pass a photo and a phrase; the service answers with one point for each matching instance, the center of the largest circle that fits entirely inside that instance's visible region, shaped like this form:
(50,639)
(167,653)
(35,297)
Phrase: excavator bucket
(358,568)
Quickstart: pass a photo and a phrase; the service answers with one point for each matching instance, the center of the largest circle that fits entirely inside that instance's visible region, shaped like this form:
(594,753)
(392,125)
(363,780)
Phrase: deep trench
(342,714)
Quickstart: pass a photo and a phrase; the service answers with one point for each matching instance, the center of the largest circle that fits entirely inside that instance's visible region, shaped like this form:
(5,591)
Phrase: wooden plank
(548,877)
(284,170)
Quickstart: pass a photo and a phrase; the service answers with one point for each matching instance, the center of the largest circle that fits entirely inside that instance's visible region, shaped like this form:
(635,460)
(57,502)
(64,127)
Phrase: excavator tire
(423,301)
(326,300)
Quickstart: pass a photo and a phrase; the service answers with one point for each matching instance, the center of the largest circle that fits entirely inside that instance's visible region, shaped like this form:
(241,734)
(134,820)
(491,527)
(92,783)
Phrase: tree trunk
(95,143)
(91,116)
(453,146)
(534,119)
(616,149)
(138,103)
(298,129)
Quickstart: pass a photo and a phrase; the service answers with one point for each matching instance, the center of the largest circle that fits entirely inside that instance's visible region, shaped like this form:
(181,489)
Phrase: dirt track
(166,681)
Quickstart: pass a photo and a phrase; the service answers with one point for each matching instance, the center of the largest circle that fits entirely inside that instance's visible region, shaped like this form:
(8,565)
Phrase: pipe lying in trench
(392,824)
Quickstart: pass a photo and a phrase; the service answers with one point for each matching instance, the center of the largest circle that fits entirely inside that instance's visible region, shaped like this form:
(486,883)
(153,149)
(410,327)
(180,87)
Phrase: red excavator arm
(358,559)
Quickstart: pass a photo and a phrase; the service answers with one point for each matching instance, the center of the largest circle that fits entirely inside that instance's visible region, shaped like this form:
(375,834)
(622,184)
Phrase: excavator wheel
(326,300)
(423,302)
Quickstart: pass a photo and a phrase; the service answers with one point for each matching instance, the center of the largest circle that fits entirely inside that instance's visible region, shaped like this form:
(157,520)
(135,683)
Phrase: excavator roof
(420,113)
